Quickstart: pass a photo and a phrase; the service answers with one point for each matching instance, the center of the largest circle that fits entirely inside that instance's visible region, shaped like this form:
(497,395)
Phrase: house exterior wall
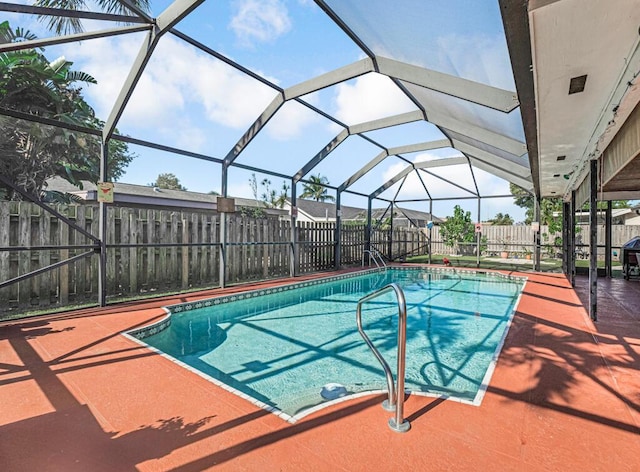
(633,219)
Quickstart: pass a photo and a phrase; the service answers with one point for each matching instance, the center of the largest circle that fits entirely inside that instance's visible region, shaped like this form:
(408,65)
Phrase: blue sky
(187,99)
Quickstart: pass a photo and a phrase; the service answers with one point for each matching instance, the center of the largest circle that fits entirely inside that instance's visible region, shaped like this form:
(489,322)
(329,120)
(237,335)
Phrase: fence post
(44,259)
(63,275)
(24,238)
(5,256)
(185,253)
(133,252)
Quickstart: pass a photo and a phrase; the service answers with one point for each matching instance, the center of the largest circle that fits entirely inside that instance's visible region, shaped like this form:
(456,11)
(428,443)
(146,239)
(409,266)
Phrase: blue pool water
(282,348)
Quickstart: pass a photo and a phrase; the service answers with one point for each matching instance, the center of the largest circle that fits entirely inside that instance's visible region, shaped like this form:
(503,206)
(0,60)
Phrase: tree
(65,25)
(271,198)
(550,208)
(32,152)
(501,219)
(316,190)
(621,204)
(523,199)
(167,181)
(458,229)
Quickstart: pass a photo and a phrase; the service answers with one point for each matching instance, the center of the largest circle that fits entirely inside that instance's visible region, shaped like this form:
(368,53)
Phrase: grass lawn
(547,264)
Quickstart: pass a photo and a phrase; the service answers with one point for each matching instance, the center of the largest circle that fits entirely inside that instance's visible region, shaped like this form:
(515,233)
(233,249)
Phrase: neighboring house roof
(405,213)
(618,215)
(145,195)
(131,194)
(321,210)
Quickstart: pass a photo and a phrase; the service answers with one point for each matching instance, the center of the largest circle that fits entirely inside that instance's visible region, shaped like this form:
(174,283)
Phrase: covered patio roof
(575,89)
(585,63)
(574,63)
(466,100)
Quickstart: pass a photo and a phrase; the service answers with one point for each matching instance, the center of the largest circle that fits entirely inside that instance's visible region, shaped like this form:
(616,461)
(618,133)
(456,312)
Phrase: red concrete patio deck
(77,396)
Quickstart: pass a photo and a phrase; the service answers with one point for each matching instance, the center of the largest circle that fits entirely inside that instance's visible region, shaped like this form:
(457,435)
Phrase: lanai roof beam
(71,38)
(442,143)
(492,97)
(67,13)
(165,21)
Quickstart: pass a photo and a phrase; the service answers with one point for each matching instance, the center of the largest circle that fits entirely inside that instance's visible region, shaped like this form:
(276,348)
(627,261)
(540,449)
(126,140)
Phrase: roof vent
(577,84)
(561,158)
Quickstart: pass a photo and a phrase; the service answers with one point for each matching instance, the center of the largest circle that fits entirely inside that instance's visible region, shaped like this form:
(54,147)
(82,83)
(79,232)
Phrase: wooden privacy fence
(159,251)
(518,239)
(403,242)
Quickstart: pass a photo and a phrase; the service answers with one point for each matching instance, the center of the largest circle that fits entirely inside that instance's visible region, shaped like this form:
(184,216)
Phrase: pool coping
(137,335)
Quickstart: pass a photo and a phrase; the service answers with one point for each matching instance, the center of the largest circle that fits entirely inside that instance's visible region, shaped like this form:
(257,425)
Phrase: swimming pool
(280,347)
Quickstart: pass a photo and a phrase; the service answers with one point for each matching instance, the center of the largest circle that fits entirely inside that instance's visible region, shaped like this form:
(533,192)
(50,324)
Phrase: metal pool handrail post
(375,252)
(367,251)
(372,254)
(396,395)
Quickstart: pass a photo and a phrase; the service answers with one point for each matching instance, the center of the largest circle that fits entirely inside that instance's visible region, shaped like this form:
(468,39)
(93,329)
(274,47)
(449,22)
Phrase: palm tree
(316,189)
(66,25)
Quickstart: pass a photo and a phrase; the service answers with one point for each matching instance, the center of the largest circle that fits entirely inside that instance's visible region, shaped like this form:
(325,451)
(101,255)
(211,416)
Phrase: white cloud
(438,188)
(185,134)
(369,97)
(259,20)
(480,58)
(290,121)
(178,81)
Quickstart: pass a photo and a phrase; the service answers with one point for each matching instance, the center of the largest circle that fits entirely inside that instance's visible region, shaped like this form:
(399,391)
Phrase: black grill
(630,258)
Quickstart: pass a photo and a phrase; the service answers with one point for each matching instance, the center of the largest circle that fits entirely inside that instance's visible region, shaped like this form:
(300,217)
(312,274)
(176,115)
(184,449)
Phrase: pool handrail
(373,253)
(396,393)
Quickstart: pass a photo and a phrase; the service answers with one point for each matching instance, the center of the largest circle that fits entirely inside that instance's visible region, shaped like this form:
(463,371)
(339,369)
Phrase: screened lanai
(394,104)
(399,110)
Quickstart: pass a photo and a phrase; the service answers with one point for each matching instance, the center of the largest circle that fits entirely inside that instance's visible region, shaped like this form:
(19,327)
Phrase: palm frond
(24,35)
(55,196)
(79,76)
(66,25)
(6,35)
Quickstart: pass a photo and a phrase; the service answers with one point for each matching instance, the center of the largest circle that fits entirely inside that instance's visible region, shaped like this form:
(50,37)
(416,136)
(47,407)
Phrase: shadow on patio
(564,394)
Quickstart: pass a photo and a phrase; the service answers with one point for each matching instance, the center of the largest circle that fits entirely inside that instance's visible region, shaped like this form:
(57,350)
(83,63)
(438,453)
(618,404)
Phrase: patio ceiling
(597,41)
(513,123)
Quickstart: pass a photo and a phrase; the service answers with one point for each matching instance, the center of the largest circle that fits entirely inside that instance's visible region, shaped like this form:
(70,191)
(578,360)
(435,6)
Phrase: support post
(390,243)
(102,229)
(367,244)
(566,208)
(337,250)
(223,229)
(294,252)
(607,239)
(431,227)
(478,236)
(536,235)
(572,240)
(593,242)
